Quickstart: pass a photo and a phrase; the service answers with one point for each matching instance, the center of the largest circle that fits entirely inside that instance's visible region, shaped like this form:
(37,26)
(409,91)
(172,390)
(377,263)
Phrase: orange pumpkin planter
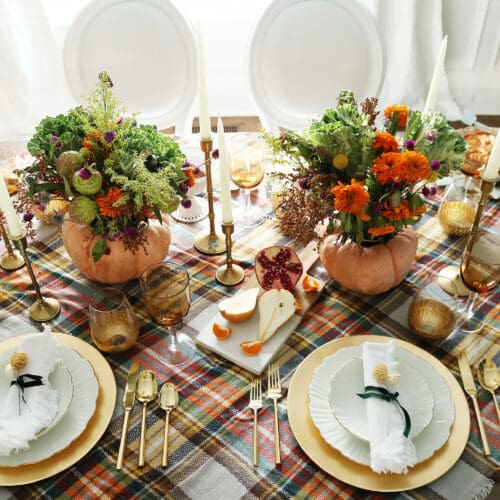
(120,265)
(370,270)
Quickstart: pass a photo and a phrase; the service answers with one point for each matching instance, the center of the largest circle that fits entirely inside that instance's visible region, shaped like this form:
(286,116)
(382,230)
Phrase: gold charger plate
(105,405)
(360,476)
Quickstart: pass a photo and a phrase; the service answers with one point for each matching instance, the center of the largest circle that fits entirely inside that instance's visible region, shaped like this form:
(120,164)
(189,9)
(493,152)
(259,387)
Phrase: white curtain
(31,77)
(412,32)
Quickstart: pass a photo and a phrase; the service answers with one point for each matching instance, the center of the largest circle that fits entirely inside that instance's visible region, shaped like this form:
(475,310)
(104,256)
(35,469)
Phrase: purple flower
(435,164)
(27,217)
(183,188)
(109,136)
(54,138)
(430,136)
(84,174)
(433,190)
(305,183)
(130,233)
(215,154)
(410,144)
(396,184)
(196,171)
(186,203)
(186,164)
(377,206)
(426,191)
(107,251)
(103,75)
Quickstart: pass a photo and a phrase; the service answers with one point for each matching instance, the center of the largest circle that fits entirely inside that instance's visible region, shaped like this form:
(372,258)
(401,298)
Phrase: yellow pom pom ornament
(340,161)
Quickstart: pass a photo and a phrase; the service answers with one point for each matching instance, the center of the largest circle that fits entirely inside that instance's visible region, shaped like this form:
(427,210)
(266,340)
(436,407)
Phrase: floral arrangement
(367,184)
(115,174)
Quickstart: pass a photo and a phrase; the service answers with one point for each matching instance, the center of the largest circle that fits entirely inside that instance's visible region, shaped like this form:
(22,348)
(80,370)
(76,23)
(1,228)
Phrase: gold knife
(471,390)
(128,403)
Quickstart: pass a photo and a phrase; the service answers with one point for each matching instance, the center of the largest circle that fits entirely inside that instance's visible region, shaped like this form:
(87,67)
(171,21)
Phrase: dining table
(211,428)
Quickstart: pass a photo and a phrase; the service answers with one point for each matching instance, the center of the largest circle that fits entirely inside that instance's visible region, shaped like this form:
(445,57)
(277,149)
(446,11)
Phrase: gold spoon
(489,378)
(147,390)
(169,399)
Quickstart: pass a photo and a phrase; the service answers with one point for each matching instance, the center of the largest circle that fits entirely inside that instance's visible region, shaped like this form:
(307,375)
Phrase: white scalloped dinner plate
(302,53)
(433,437)
(148,49)
(73,423)
(349,409)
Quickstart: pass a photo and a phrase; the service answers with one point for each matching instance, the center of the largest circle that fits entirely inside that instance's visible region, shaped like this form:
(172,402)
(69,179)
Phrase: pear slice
(240,307)
(275,308)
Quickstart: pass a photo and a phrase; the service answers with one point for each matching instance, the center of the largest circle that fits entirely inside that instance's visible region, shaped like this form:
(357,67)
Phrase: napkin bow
(391,450)
(31,403)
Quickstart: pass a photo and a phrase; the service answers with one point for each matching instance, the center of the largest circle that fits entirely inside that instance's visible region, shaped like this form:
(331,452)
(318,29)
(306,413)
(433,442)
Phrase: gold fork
(255,404)
(274,392)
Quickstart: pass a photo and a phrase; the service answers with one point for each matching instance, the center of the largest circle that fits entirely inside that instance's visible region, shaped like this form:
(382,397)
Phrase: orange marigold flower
(419,211)
(106,202)
(385,142)
(402,211)
(414,167)
(190,178)
(350,198)
(386,167)
(402,112)
(380,231)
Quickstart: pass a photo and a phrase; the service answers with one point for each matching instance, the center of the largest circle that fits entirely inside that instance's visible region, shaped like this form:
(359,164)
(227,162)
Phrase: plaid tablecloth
(211,430)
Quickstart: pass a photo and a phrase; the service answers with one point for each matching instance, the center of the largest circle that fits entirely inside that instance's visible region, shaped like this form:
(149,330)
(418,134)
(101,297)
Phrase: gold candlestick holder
(209,242)
(11,260)
(229,274)
(452,273)
(43,309)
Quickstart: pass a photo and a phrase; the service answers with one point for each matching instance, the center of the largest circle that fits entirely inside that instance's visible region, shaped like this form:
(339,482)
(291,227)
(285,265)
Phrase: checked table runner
(211,430)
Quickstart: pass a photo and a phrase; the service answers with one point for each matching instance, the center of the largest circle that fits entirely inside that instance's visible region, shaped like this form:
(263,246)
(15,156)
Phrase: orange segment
(221,331)
(310,284)
(252,348)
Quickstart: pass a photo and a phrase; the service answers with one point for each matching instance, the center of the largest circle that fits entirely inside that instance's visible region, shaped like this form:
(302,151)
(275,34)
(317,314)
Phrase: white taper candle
(490,173)
(13,223)
(205,131)
(225,188)
(432,96)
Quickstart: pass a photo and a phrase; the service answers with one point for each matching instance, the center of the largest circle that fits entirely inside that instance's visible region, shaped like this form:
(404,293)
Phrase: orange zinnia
(402,113)
(419,211)
(386,167)
(380,231)
(414,167)
(385,142)
(190,178)
(351,198)
(106,202)
(398,213)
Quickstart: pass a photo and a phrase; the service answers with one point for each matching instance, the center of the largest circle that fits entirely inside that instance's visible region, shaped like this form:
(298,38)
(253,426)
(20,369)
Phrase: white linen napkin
(41,404)
(390,450)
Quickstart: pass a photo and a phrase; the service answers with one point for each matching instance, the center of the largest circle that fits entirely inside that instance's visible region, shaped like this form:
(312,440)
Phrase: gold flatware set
(143,386)
(489,379)
(255,403)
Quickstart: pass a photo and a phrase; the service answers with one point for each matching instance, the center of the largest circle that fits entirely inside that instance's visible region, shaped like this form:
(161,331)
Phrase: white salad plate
(349,409)
(432,437)
(60,379)
(72,423)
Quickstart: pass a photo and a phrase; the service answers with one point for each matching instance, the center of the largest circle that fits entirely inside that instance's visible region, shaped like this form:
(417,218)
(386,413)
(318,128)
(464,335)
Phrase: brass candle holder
(43,309)
(208,242)
(12,259)
(453,272)
(229,274)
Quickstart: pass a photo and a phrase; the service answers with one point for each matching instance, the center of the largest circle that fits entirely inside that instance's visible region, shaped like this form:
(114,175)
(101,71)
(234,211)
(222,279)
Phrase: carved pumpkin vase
(120,264)
(373,269)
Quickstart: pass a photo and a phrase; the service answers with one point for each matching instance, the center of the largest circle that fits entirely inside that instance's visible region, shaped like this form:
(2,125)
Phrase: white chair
(148,48)
(302,53)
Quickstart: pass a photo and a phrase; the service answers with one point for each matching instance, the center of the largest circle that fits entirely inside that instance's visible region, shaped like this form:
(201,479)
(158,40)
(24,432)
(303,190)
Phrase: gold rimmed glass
(165,288)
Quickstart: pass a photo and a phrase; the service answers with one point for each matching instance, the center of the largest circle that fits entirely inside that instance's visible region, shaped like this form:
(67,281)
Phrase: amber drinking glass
(165,288)
(114,327)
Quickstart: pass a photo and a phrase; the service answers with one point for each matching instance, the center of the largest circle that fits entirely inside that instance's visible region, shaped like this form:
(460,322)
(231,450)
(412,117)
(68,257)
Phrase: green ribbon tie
(381,393)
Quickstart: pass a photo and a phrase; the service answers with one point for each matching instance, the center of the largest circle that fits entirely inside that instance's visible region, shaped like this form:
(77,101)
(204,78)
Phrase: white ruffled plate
(433,437)
(73,422)
(60,379)
(349,409)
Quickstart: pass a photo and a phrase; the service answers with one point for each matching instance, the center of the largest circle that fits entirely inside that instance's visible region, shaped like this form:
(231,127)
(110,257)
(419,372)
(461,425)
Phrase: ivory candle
(205,132)
(432,96)
(15,228)
(225,188)
(491,171)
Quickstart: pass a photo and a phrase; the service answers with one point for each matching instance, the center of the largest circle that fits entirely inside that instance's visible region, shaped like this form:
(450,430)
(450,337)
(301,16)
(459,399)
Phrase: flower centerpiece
(118,177)
(362,185)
